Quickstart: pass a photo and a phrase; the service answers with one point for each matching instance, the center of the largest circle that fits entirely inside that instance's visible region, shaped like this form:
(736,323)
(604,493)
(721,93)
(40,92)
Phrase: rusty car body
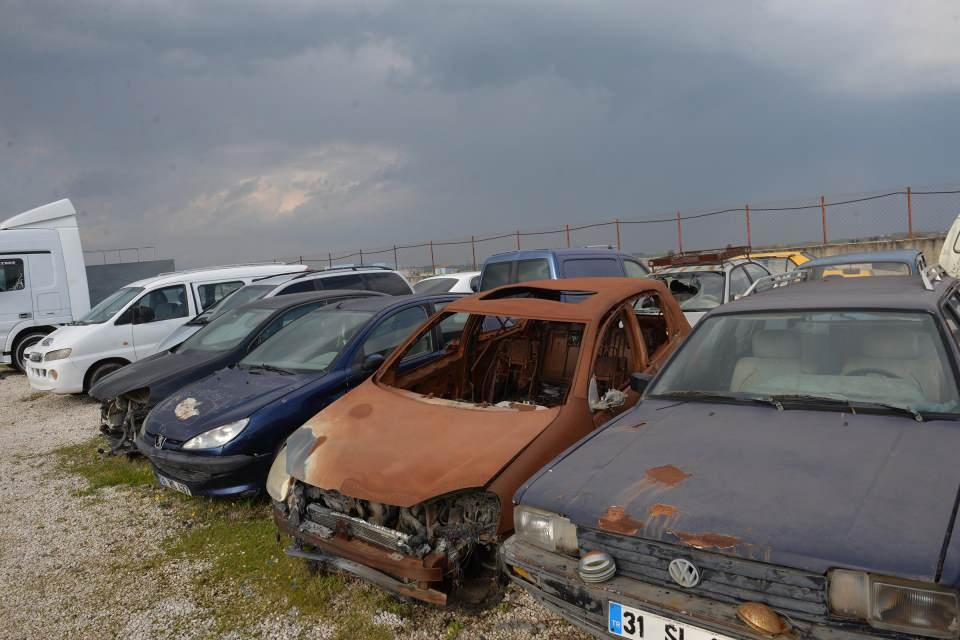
(404,480)
(790,472)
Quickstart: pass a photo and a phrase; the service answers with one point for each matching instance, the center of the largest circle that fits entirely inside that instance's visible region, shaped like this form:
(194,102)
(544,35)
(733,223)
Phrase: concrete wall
(104,279)
(929,244)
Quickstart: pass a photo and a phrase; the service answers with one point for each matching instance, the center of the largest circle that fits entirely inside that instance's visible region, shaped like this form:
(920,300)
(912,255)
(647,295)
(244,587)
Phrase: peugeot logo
(684,573)
(161,439)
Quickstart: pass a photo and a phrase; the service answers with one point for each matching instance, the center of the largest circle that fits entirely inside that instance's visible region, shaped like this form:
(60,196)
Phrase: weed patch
(102,471)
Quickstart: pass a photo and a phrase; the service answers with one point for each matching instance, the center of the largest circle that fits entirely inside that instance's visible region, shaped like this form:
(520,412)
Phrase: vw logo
(684,573)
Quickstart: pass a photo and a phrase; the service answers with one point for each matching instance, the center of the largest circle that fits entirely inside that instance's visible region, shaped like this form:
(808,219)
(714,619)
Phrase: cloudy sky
(227,130)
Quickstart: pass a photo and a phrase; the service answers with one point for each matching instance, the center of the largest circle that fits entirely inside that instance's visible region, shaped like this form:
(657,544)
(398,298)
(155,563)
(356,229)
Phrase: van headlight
(216,437)
(546,530)
(57,354)
(891,603)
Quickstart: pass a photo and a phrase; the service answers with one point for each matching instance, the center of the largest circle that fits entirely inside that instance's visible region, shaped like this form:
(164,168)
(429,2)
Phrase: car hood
(67,336)
(227,395)
(806,489)
(153,370)
(391,446)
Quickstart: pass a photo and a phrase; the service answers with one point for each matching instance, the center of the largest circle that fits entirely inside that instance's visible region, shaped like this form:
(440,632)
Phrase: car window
(739,282)
(346,281)
(389,283)
(285,319)
(392,331)
(11,275)
(435,285)
(634,269)
(450,330)
(302,286)
(213,292)
(312,344)
(591,267)
(538,269)
(496,274)
(755,271)
(225,332)
(106,308)
(695,290)
(859,270)
(167,303)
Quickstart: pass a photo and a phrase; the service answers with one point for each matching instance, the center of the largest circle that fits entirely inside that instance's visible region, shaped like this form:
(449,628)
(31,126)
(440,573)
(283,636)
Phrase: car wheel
(23,343)
(101,371)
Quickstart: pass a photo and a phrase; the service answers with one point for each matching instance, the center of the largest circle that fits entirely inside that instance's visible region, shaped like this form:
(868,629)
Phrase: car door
(155,315)
(16,305)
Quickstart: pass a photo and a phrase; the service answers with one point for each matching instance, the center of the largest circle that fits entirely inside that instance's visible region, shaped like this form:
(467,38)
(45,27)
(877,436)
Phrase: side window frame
(730,282)
(361,352)
(145,294)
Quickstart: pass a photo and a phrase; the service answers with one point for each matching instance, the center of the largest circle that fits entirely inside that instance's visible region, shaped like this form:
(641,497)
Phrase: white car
(463,282)
(130,324)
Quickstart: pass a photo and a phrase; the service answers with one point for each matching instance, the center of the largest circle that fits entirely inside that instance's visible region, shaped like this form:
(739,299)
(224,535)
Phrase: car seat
(775,352)
(907,355)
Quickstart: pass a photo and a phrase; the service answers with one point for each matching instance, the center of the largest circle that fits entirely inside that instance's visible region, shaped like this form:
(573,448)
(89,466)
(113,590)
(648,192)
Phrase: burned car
(218,436)
(406,481)
(127,395)
(789,472)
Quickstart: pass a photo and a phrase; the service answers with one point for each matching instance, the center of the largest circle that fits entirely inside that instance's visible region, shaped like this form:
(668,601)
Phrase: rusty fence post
(396,263)
(518,239)
(433,262)
(679,233)
(746,208)
(361,257)
(300,260)
(473,251)
(568,236)
(616,222)
(910,212)
(823,217)
(330,259)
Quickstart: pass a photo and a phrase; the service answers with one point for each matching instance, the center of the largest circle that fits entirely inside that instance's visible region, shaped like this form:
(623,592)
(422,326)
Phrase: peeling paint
(187,409)
(661,510)
(706,540)
(616,520)
(668,475)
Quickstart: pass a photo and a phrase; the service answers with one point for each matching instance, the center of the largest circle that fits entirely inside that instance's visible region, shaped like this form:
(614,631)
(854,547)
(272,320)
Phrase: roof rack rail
(690,258)
(354,267)
(777,281)
(933,273)
(295,274)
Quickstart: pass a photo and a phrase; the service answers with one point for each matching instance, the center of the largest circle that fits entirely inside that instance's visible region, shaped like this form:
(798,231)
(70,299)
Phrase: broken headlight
(216,437)
(894,604)
(546,530)
(57,354)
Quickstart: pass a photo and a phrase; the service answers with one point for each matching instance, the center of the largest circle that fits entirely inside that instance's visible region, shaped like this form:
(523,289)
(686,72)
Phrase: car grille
(724,578)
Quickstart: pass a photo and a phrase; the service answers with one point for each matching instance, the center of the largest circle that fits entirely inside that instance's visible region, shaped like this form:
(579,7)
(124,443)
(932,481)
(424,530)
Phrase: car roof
(900,255)
(878,293)
(606,292)
(292,300)
(524,254)
(380,303)
(235,271)
(314,274)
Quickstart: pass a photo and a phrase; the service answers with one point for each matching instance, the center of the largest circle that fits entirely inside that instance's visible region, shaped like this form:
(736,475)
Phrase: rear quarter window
(389,283)
(496,274)
(591,267)
(346,281)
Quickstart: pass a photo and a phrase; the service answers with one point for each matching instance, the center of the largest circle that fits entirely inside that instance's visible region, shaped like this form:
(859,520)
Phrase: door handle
(25,316)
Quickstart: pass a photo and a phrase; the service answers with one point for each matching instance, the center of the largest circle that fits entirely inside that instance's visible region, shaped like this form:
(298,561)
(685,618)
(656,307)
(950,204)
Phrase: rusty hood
(386,445)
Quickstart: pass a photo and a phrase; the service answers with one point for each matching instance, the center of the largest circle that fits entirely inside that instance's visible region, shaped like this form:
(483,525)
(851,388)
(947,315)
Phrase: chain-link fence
(902,213)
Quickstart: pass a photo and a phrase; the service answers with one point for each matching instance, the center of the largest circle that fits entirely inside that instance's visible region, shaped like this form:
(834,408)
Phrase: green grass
(103,471)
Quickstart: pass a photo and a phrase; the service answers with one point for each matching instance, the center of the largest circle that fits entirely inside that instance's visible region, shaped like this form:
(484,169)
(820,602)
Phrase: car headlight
(894,604)
(216,437)
(546,530)
(57,354)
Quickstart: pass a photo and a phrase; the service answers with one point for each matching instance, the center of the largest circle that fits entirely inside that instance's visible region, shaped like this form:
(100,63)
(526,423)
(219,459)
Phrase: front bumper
(558,587)
(205,475)
(404,575)
(69,377)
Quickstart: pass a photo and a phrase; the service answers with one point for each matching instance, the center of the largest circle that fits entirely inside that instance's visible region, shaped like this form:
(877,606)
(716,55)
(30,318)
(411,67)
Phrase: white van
(43,280)
(950,253)
(130,324)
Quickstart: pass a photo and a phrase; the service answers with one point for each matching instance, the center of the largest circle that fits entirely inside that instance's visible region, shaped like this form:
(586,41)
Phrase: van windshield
(109,306)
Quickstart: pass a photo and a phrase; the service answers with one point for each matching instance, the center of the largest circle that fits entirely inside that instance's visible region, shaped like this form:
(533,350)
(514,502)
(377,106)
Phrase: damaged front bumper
(552,579)
(401,574)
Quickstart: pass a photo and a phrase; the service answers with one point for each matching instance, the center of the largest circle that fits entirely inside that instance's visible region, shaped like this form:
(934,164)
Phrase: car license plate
(628,622)
(169,483)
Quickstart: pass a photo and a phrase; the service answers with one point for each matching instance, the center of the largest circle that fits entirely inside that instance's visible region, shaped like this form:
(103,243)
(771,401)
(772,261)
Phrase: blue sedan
(218,436)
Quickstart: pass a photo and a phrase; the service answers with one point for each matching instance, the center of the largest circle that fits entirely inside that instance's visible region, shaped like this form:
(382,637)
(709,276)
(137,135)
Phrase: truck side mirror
(639,381)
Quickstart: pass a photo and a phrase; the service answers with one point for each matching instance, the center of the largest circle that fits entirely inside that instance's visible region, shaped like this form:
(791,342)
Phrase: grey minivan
(553,264)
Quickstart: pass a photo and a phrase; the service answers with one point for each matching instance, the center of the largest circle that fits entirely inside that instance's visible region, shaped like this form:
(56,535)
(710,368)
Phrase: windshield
(225,331)
(236,299)
(859,270)
(109,306)
(310,344)
(874,357)
(695,290)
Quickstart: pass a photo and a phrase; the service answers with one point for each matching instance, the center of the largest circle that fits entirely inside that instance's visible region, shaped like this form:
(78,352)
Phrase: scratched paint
(617,520)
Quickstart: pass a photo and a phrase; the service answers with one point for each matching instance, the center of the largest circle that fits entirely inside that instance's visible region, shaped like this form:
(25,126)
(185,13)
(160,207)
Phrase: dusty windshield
(109,306)
(226,331)
(886,358)
(310,344)
(695,290)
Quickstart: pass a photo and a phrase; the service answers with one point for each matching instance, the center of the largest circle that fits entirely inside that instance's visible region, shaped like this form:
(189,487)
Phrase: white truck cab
(950,253)
(130,324)
(43,280)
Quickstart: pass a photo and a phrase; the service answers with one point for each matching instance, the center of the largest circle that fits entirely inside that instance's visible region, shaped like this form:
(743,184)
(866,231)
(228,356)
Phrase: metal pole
(433,263)
(679,233)
(396,263)
(568,236)
(300,260)
(823,217)
(330,259)
(910,212)
(617,223)
(518,239)
(473,250)
(361,257)
(747,208)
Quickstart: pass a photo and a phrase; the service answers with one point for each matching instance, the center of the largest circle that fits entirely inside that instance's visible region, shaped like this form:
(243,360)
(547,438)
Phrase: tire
(100,371)
(25,341)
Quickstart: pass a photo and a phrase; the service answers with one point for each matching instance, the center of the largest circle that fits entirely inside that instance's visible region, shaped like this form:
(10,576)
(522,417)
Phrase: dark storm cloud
(221,130)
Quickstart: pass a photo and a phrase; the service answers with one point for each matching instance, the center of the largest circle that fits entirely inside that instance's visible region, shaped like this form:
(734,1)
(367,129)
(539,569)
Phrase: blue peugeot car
(219,435)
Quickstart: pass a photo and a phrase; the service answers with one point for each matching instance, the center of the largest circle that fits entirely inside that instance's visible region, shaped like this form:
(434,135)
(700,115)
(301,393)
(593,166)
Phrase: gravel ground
(72,565)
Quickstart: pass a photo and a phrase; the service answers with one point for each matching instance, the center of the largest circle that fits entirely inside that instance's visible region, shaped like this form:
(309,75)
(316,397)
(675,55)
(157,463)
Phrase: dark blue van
(554,264)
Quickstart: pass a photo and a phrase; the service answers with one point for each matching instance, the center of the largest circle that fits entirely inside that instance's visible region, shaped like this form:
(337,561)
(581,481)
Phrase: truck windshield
(881,358)
(225,332)
(109,306)
(310,344)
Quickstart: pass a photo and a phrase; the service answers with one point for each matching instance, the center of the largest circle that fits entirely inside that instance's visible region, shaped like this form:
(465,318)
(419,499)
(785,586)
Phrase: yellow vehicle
(779,261)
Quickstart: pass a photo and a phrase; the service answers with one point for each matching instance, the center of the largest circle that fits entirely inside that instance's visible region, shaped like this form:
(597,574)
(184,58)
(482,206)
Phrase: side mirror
(639,381)
(475,284)
(371,363)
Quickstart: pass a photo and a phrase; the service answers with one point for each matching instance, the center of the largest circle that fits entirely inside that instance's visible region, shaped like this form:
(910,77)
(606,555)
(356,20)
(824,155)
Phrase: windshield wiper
(846,403)
(275,369)
(713,396)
